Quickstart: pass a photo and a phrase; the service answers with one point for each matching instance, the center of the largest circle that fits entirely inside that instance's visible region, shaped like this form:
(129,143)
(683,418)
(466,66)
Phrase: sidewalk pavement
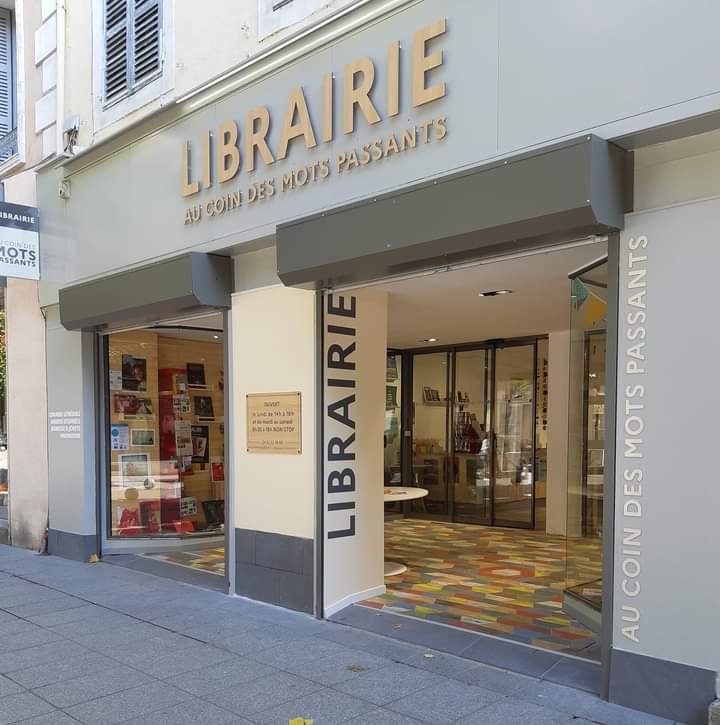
(97,643)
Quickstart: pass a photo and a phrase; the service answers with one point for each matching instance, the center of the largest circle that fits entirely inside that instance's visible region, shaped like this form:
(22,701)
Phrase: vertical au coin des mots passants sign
(19,241)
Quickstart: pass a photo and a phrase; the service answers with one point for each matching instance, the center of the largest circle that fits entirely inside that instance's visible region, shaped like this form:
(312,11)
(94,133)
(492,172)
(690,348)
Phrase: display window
(166,436)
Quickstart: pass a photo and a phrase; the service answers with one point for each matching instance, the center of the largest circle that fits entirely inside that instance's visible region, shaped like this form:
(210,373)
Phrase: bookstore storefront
(222,340)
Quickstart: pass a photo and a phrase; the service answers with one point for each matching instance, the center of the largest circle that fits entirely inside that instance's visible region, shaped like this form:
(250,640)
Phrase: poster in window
(119,437)
(183,438)
(195,375)
(132,406)
(204,407)
(200,444)
(134,373)
(217,471)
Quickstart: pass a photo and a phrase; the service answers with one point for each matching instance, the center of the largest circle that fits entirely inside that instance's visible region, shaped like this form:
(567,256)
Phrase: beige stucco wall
(273,350)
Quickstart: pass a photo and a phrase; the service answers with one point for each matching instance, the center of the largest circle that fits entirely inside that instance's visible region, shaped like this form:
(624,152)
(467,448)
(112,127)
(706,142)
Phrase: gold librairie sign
(273,423)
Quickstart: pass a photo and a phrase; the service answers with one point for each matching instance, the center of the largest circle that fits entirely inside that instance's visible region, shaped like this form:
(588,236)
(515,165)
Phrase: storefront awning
(561,192)
(185,284)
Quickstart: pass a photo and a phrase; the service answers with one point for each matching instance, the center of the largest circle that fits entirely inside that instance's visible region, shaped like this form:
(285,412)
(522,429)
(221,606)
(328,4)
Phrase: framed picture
(134,373)
(427,395)
(195,375)
(134,466)
(142,437)
(181,384)
(119,437)
(132,406)
(214,512)
(200,444)
(204,407)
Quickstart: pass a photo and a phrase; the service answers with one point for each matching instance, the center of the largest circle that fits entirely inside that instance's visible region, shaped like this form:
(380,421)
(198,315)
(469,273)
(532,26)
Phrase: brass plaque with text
(273,423)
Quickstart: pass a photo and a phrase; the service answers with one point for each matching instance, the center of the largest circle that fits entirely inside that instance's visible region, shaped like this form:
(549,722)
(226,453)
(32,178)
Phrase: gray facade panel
(669,689)
(175,286)
(273,568)
(79,547)
(571,189)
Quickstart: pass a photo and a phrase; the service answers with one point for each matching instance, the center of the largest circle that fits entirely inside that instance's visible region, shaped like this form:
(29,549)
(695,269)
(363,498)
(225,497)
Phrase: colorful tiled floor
(504,582)
(212,560)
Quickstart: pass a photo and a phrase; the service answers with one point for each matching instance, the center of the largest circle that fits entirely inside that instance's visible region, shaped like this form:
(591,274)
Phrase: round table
(400,493)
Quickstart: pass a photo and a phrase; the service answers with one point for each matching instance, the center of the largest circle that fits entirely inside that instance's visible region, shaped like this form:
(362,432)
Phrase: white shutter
(146,37)
(6,84)
(116,48)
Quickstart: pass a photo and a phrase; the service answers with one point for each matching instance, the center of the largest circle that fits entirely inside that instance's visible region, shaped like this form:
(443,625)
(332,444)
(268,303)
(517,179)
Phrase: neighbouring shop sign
(19,241)
(273,423)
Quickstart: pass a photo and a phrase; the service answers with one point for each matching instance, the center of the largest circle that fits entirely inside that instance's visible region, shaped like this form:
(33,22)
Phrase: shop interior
(165,393)
(494,447)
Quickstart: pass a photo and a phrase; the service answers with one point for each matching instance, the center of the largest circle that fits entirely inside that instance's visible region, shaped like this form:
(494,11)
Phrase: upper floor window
(274,15)
(8,130)
(133,31)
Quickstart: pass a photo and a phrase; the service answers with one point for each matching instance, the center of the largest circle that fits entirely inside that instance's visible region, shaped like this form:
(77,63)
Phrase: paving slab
(263,694)
(232,673)
(90,687)
(57,670)
(389,683)
(15,708)
(444,702)
(190,712)
(127,704)
(325,707)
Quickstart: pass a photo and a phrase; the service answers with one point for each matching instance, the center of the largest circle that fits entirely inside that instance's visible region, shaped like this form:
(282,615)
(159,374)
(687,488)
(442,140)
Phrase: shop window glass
(166,436)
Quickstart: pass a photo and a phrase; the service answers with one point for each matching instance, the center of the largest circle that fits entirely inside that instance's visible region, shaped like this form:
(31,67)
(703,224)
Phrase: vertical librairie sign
(354,354)
(19,241)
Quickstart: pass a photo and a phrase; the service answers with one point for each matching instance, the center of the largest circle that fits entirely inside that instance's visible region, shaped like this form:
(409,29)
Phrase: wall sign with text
(19,241)
(273,423)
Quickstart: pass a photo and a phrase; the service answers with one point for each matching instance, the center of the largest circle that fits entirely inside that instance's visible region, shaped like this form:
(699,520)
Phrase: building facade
(238,199)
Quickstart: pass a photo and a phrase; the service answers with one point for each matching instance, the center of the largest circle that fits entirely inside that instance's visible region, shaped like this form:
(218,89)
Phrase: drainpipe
(60,85)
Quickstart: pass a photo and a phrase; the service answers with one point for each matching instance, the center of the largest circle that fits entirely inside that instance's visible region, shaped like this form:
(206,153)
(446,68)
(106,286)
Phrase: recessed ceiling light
(495,293)
(216,337)
(429,339)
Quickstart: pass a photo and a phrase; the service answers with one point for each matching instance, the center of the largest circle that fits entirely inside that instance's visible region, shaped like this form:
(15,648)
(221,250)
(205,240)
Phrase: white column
(354,420)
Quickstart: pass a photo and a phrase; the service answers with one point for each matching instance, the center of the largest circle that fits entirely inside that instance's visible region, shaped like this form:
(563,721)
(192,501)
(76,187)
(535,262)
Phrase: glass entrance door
(472,470)
(431,382)
(514,436)
(474,422)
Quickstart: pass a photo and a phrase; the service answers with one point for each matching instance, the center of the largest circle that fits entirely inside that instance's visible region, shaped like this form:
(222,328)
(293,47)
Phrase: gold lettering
(392,146)
(359,95)
(256,136)
(423,64)
(441,128)
(207,172)
(328,95)
(297,106)
(394,79)
(352,161)
(189,187)
(228,153)
(408,139)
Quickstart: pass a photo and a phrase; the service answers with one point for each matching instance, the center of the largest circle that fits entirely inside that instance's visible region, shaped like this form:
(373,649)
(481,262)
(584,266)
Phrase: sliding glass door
(474,419)
(472,470)
(514,435)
